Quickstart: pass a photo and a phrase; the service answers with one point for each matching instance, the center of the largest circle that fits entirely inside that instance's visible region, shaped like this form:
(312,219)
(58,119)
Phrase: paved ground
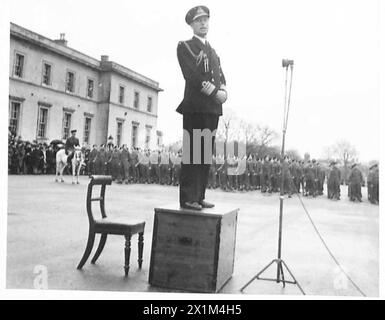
(47,225)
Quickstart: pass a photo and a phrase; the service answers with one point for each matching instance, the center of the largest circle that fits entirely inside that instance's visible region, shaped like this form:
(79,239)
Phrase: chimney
(104,58)
(62,40)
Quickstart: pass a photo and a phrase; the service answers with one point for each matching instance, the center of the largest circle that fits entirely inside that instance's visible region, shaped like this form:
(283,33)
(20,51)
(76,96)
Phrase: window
(66,125)
(134,135)
(70,81)
(121,94)
(158,140)
(19,65)
(119,130)
(149,104)
(47,74)
(14,116)
(90,88)
(87,130)
(148,136)
(136,100)
(42,122)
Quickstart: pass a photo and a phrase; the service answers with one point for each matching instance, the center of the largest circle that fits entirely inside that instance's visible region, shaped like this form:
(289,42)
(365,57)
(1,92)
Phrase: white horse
(76,162)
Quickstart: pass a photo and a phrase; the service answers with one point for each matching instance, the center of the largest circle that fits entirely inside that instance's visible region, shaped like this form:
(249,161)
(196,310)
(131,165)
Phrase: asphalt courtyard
(47,228)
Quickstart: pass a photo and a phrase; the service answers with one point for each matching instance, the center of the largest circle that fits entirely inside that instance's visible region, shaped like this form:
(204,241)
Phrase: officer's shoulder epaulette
(186,45)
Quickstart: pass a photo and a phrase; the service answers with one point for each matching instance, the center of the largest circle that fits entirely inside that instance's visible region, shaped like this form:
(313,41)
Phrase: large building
(54,89)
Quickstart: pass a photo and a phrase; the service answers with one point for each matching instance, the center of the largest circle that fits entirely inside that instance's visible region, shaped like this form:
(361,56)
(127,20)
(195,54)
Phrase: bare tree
(344,151)
(293,154)
(328,153)
(249,131)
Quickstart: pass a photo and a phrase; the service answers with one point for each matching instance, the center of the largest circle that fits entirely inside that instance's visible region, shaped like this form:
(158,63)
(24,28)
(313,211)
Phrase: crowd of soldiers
(25,157)
(266,174)
(250,173)
(134,165)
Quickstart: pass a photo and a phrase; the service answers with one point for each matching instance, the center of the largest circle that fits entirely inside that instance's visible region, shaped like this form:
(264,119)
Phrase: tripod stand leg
(265,268)
(295,280)
(257,276)
(282,275)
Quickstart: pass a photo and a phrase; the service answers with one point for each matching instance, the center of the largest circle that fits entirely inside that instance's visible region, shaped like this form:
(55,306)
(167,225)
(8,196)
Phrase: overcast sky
(334,45)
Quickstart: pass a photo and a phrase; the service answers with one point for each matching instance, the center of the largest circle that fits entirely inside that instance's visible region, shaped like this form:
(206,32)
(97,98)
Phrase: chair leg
(127,252)
(87,252)
(140,249)
(103,239)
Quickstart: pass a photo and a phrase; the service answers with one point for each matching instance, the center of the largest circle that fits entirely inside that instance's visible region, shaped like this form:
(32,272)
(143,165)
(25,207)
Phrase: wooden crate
(193,250)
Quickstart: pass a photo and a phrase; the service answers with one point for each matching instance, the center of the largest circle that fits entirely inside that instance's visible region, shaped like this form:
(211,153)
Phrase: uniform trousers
(194,177)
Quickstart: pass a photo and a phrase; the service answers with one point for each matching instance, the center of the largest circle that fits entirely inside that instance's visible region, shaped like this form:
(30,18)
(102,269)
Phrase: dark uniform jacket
(93,154)
(334,176)
(200,65)
(355,176)
(71,143)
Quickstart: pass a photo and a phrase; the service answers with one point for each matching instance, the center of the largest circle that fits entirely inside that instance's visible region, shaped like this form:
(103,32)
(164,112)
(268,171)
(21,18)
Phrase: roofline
(80,57)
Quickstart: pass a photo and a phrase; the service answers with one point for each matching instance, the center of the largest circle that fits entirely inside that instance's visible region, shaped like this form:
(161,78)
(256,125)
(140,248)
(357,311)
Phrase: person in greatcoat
(355,181)
(334,182)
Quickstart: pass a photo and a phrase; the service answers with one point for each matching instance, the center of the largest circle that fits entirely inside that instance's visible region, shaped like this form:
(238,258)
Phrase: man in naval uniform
(204,94)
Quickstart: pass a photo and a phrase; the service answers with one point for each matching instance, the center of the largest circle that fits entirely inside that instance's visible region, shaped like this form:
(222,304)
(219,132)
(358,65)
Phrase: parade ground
(47,229)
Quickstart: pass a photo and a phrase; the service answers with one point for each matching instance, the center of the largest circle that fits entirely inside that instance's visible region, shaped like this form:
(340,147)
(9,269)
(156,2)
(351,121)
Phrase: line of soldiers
(134,165)
(163,167)
(265,174)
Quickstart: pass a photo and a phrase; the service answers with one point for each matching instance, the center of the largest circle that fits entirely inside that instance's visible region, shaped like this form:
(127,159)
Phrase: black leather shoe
(205,204)
(192,206)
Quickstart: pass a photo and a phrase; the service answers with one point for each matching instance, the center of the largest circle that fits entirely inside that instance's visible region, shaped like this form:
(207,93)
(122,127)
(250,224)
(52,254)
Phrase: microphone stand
(279,261)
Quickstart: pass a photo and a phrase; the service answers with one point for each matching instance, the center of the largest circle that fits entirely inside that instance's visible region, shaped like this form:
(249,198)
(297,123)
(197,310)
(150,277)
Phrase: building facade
(54,89)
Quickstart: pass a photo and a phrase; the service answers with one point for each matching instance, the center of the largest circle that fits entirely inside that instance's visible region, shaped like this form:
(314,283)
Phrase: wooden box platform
(193,250)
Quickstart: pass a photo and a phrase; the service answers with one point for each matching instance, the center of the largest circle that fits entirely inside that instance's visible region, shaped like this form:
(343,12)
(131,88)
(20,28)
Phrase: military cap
(196,12)
(73,131)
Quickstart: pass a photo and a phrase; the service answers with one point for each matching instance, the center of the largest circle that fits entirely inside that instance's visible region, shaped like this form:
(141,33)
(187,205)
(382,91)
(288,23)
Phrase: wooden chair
(106,226)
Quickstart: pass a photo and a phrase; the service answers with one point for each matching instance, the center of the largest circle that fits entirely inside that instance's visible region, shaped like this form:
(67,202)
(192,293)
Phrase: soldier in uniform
(334,182)
(249,173)
(28,158)
(91,160)
(204,94)
(287,178)
(222,172)
(164,167)
(176,171)
(212,174)
(20,158)
(265,175)
(258,173)
(70,145)
(321,178)
(101,161)
(116,165)
(302,177)
(125,159)
(134,159)
(275,174)
(242,173)
(373,184)
(355,181)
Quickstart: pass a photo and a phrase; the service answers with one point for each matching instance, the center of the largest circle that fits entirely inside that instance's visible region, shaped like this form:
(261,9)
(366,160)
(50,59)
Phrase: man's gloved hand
(221,96)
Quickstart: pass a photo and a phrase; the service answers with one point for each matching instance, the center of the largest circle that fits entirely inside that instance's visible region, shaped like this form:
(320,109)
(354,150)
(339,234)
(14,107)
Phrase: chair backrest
(103,181)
